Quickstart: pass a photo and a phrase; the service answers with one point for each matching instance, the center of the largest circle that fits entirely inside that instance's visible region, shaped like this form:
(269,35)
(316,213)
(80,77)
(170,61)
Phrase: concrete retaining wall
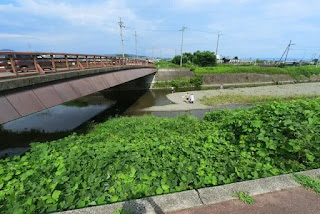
(171,74)
(212,79)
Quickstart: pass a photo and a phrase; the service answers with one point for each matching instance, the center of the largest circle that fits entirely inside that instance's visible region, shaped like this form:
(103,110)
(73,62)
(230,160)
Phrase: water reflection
(77,115)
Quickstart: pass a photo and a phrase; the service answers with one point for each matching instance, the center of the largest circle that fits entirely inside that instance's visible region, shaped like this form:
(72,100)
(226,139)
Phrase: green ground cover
(135,157)
(293,71)
(181,81)
(250,99)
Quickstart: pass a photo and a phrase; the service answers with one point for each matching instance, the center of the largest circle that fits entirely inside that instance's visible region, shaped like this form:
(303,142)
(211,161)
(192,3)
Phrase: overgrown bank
(135,157)
(241,75)
(293,71)
(228,99)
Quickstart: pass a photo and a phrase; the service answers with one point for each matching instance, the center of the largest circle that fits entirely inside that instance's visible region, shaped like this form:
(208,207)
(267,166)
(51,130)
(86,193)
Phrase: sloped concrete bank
(196,198)
(232,79)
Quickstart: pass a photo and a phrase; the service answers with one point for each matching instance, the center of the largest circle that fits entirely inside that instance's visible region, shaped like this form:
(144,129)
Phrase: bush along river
(79,116)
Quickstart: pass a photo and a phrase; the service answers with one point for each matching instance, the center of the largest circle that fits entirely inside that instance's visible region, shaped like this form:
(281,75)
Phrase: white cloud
(101,15)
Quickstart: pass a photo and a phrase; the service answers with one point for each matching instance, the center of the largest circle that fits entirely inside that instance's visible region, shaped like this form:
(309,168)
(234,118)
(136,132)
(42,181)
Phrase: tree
(176,59)
(204,58)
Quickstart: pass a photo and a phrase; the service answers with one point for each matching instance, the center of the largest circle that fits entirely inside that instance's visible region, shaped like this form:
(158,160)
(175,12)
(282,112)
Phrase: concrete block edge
(194,198)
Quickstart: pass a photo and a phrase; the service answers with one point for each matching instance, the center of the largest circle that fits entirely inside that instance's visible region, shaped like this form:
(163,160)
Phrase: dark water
(79,115)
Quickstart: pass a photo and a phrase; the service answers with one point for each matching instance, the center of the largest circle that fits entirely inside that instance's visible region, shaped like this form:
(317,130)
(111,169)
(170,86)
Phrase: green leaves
(128,158)
(56,194)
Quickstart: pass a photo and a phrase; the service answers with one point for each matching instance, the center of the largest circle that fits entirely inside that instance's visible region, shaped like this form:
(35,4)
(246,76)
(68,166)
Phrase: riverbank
(137,157)
(178,103)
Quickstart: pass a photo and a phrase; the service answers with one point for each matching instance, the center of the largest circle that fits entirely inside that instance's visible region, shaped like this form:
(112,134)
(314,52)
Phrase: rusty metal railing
(17,64)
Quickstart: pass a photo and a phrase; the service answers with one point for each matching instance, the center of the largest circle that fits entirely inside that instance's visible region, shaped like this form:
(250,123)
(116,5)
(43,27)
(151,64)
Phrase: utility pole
(182,30)
(219,34)
(121,24)
(30,49)
(288,50)
(318,61)
(135,35)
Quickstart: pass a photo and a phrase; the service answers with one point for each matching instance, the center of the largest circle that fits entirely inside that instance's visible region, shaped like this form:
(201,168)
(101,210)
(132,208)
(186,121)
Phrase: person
(191,98)
(187,97)
(221,86)
(172,89)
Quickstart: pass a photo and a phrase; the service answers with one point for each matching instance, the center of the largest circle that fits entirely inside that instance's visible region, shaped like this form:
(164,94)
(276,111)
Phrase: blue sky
(251,28)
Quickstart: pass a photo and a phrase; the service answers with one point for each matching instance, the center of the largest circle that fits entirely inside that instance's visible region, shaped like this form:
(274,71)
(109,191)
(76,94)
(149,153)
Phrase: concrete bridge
(32,82)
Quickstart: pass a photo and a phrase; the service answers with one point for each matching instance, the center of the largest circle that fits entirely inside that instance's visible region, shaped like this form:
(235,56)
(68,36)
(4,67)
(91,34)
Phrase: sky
(250,28)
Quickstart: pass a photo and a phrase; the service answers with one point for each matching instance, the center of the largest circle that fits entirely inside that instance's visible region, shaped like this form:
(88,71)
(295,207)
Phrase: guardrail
(17,64)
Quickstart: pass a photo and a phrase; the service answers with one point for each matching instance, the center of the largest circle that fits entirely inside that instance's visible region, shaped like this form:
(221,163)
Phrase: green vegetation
(128,158)
(198,58)
(293,71)
(169,64)
(249,99)
(181,81)
(166,64)
(308,182)
(245,197)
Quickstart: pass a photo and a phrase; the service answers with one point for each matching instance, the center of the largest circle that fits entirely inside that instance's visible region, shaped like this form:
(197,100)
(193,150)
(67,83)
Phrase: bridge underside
(26,101)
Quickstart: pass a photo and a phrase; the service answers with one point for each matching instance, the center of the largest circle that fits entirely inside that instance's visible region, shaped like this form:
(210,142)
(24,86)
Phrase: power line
(202,31)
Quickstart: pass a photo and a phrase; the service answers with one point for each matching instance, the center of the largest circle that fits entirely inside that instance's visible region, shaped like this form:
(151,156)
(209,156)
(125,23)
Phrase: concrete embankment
(231,79)
(168,74)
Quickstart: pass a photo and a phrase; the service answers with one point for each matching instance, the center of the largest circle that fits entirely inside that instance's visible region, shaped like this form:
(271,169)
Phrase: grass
(168,64)
(295,72)
(245,197)
(250,99)
(308,182)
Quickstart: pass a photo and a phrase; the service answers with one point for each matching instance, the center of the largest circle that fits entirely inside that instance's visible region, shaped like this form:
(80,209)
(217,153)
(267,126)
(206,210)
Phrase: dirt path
(280,90)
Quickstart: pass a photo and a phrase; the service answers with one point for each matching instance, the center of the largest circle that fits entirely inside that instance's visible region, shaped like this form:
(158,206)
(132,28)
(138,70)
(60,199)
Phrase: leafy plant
(129,158)
(245,197)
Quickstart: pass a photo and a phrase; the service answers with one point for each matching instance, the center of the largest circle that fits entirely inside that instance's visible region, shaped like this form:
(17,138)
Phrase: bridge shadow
(17,143)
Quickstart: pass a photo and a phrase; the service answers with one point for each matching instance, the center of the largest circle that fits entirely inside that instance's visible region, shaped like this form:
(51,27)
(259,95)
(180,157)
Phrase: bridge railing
(17,64)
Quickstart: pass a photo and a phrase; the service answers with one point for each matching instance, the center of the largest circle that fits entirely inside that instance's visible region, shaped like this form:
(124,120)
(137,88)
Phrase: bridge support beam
(25,101)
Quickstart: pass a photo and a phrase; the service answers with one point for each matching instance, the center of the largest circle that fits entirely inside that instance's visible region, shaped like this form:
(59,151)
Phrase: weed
(245,197)
(308,182)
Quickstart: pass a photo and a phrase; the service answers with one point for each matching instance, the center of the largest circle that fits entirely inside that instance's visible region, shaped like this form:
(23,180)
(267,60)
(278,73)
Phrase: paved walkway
(291,201)
(280,90)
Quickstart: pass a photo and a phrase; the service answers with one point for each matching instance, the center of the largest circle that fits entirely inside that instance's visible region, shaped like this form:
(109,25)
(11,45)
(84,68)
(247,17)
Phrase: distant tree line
(200,58)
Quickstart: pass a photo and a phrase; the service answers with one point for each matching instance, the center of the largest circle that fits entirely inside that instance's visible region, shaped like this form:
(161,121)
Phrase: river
(78,116)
